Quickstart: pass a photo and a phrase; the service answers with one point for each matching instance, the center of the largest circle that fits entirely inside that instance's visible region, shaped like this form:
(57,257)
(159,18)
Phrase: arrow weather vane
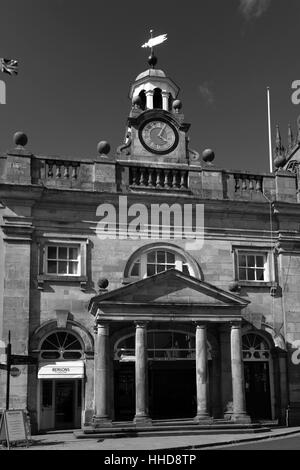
(155,41)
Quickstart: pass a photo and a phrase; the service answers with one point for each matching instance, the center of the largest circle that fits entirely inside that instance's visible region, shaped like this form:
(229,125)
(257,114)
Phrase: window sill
(42,278)
(257,284)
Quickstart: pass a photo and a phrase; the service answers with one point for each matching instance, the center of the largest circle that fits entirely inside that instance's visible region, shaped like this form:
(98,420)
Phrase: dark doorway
(172,390)
(64,404)
(257,387)
(125,391)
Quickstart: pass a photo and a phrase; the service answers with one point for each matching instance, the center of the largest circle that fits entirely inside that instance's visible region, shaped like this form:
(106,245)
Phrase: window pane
(135,271)
(251,274)
(72,355)
(150,269)
(50,355)
(251,261)
(170,266)
(62,267)
(151,257)
(185,269)
(51,252)
(170,258)
(52,267)
(242,274)
(161,257)
(73,253)
(62,252)
(242,260)
(73,267)
(260,275)
(260,261)
(160,268)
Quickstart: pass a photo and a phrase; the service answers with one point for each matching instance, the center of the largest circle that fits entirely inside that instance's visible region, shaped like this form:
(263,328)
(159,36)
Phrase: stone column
(101,417)
(149,99)
(141,375)
(201,373)
(165,100)
(237,371)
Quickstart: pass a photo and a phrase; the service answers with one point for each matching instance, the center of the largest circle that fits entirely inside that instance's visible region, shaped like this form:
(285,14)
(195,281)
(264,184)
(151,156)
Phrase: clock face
(158,136)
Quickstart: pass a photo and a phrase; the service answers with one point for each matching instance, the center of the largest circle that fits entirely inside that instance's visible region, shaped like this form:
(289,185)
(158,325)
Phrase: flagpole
(269,131)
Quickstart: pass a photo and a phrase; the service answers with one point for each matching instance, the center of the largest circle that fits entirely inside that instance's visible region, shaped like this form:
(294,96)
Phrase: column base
(142,421)
(203,419)
(101,422)
(241,418)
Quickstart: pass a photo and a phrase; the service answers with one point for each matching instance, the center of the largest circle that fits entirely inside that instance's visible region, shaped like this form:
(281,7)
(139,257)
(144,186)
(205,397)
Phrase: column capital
(101,325)
(236,325)
(200,325)
(141,324)
(149,92)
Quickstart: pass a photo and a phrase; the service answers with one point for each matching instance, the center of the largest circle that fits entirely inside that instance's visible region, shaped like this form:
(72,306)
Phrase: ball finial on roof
(177,105)
(103,147)
(152,60)
(20,138)
(208,155)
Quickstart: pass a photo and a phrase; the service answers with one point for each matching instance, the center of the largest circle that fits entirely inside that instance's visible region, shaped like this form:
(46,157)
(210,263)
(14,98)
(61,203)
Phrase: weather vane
(155,41)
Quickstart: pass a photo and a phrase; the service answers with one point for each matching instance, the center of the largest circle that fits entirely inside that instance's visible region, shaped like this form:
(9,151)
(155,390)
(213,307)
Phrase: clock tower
(156,131)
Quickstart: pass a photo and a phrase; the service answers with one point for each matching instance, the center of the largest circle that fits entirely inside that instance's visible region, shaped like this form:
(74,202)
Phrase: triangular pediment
(171,287)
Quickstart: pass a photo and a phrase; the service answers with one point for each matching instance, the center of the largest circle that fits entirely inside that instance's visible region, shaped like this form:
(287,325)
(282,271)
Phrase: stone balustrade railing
(158,178)
(115,175)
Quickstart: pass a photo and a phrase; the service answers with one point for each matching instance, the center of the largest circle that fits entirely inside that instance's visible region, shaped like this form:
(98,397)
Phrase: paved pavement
(67,441)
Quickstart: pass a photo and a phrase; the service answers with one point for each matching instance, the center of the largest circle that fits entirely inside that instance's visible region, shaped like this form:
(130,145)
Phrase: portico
(170,301)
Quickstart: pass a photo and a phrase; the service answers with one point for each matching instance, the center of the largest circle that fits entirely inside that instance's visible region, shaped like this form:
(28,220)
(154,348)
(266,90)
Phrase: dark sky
(79,57)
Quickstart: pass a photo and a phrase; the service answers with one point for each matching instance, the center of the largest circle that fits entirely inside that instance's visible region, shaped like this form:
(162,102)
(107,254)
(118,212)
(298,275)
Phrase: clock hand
(161,131)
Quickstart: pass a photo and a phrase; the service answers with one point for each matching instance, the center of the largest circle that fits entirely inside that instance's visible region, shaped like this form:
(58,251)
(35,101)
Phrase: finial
(103,147)
(20,139)
(298,130)
(208,156)
(280,159)
(152,60)
(290,137)
(177,105)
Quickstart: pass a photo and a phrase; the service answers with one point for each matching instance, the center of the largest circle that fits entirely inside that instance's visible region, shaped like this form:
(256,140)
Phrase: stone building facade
(128,323)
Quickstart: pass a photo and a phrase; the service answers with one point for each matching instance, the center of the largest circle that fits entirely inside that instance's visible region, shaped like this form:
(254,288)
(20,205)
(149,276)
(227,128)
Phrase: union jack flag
(9,66)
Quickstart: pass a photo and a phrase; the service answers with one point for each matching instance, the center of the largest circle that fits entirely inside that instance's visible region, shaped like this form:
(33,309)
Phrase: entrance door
(64,404)
(257,387)
(61,404)
(172,388)
(125,391)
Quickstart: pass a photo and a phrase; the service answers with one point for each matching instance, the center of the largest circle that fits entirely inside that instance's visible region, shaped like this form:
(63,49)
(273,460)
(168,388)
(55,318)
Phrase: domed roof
(151,73)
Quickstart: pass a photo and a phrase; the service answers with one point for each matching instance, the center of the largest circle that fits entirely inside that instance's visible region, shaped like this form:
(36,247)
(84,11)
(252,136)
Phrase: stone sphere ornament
(208,155)
(177,105)
(102,283)
(20,138)
(103,147)
(152,60)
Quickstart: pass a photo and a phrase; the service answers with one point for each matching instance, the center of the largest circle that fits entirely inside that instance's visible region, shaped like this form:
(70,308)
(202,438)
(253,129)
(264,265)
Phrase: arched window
(142,95)
(167,345)
(255,348)
(61,345)
(157,99)
(154,260)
